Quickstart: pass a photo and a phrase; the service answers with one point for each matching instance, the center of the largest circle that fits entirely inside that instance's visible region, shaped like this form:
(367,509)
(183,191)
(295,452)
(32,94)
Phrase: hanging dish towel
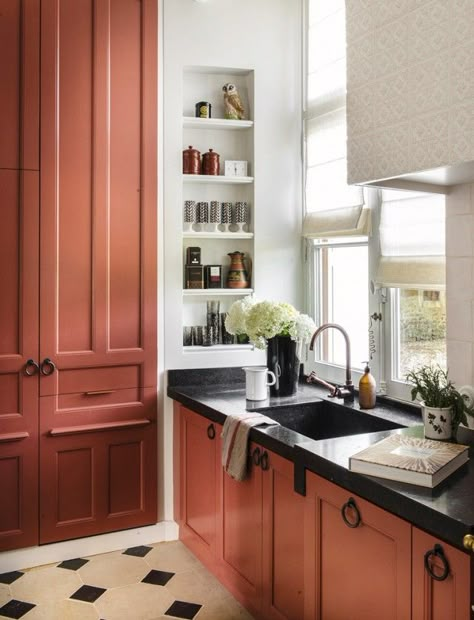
(235,436)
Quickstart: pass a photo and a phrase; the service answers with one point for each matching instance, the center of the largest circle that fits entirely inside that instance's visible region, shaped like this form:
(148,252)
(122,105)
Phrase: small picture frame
(235,168)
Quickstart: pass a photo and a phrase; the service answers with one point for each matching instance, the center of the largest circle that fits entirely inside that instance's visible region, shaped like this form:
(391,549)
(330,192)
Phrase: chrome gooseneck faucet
(336,391)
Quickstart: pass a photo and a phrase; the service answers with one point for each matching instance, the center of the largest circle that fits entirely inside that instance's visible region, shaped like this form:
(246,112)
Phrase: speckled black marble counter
(447,511)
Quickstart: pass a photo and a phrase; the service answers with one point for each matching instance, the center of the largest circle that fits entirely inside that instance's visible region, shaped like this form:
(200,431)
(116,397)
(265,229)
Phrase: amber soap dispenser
(367,387)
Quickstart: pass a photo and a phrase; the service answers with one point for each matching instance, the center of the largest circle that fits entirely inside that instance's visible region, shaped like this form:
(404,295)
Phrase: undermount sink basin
(324,420)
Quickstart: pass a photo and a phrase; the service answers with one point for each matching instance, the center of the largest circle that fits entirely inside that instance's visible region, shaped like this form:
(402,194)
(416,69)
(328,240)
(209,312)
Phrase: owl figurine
(233,108)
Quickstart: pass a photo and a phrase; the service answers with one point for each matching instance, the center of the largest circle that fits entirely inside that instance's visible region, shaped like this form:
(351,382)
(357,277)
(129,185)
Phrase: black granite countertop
(447,511)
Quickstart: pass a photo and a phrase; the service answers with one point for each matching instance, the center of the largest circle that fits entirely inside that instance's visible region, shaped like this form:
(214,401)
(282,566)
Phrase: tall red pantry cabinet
(77,268)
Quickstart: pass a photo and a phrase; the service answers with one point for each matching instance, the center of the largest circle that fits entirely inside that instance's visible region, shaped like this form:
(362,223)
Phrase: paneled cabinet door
(19,100)
(98,467)
(283,540)
(18,355)
(98,190)
(363,565)
(447,594)
(199,461)
(240,549)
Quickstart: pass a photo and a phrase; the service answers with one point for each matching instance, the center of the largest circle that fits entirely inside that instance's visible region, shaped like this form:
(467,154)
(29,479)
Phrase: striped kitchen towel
(235,436)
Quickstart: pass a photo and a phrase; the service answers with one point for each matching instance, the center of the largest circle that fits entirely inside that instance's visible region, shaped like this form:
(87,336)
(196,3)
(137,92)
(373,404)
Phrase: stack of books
(408,459)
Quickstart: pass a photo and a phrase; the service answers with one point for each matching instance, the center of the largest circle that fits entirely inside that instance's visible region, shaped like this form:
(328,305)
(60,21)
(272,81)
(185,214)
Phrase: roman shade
(412,241)
(333,208)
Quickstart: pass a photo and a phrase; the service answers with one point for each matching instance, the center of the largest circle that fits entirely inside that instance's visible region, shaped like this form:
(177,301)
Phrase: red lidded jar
(191,161)
(210,163)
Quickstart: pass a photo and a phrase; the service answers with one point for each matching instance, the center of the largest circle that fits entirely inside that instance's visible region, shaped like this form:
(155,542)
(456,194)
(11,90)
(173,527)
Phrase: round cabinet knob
(468,542)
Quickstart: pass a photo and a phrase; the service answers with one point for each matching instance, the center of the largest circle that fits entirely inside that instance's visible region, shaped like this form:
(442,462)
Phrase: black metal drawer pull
(264,461)
(353,506)
(256,457)
(31,367)
(438,552)
(211,431)
(47,367)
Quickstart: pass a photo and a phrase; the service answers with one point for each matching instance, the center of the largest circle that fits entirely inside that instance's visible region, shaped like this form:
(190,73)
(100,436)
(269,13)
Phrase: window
(375,258)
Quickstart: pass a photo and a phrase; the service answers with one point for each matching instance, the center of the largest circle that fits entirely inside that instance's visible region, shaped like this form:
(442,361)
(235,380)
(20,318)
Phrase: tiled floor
(162,581)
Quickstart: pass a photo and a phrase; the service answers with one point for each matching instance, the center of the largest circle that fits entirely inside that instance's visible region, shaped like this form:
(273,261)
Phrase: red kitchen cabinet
(448,594)
(19,99)
(18,345)
(197,443)
(98,467)
(362,557)
(77,267)
(283,541)
(98,191)
(240,548)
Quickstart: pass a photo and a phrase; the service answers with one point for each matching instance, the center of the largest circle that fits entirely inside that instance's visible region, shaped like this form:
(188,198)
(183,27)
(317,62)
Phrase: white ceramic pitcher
(257,380)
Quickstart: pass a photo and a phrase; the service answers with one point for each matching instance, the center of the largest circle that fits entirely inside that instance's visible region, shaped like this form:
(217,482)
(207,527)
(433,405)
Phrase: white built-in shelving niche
(233,140)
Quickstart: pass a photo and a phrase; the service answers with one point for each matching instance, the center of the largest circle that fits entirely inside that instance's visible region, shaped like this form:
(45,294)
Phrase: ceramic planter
(437,422)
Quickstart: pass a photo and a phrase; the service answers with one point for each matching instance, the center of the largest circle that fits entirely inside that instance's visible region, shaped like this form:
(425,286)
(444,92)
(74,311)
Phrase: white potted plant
(443,407)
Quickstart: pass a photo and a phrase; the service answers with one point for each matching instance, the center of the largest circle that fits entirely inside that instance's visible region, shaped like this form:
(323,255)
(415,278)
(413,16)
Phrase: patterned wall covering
(410,86)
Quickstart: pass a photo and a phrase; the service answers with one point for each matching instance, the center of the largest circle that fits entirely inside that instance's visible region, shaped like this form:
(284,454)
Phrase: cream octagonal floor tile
(45,584)
(5,595)
(140,601)
(172,557)
(64,610)
(113,570)
(195,587)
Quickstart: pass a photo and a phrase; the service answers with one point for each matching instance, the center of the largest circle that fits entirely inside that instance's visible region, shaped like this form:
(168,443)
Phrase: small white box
(235,168)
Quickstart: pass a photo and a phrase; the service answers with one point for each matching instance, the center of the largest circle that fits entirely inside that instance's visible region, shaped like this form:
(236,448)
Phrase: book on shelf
(424,462)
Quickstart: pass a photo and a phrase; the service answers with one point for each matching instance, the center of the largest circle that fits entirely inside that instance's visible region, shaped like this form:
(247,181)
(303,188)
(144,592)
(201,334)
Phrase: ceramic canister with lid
(191,161)
(210,163)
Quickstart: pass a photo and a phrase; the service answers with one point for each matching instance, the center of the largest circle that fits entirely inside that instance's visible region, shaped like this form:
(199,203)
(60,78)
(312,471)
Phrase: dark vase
(283,361)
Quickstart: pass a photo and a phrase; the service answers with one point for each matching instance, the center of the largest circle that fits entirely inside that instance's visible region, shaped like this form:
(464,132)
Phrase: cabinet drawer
(89,380)
(80,413)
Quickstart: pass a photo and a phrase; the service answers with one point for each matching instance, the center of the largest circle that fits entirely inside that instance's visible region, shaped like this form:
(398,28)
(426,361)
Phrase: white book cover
(410,459)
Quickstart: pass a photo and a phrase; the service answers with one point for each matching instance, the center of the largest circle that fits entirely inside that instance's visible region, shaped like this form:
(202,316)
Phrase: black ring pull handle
(256,458)
(264,461)
(438,552)
(211,431)
(31,367)
(353,506)
(47,367)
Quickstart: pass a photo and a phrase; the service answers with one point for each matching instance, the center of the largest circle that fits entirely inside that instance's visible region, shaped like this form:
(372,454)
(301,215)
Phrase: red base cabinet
(196,459)
(362,565)
(250,541)
(330,555)
(447,596)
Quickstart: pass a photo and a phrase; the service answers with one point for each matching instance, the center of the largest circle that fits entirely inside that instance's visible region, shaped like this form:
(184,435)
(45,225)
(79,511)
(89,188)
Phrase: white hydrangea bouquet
(262,320)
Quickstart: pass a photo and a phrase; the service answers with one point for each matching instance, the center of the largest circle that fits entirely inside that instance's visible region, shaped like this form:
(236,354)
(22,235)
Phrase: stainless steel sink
(324,420)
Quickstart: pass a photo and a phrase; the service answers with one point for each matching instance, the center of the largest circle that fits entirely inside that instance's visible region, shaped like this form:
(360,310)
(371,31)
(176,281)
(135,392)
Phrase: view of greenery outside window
(422,320)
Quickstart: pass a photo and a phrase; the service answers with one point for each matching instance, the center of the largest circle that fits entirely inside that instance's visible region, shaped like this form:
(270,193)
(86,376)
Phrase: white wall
(262,36)
(460,283)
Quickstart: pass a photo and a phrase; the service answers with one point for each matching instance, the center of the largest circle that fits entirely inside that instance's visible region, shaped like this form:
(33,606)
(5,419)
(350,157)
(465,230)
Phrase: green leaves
(432,385)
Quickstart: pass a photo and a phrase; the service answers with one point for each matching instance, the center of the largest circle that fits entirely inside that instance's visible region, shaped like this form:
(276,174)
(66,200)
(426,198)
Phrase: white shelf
(215,123)
(215,178)
(216,292)
(217,235)
(218,347)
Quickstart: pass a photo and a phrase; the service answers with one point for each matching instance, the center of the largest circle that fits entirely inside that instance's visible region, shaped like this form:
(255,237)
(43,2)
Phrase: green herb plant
(432,385)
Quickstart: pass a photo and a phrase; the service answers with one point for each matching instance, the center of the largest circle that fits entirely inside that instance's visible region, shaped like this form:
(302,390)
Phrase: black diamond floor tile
(139,552)
(73,564)
(15,609)
(158,577)
(88,594)
(10,577)
(180,609)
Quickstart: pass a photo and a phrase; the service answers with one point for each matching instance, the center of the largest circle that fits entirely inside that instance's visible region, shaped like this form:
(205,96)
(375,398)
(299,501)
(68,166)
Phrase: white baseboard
(82,547)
